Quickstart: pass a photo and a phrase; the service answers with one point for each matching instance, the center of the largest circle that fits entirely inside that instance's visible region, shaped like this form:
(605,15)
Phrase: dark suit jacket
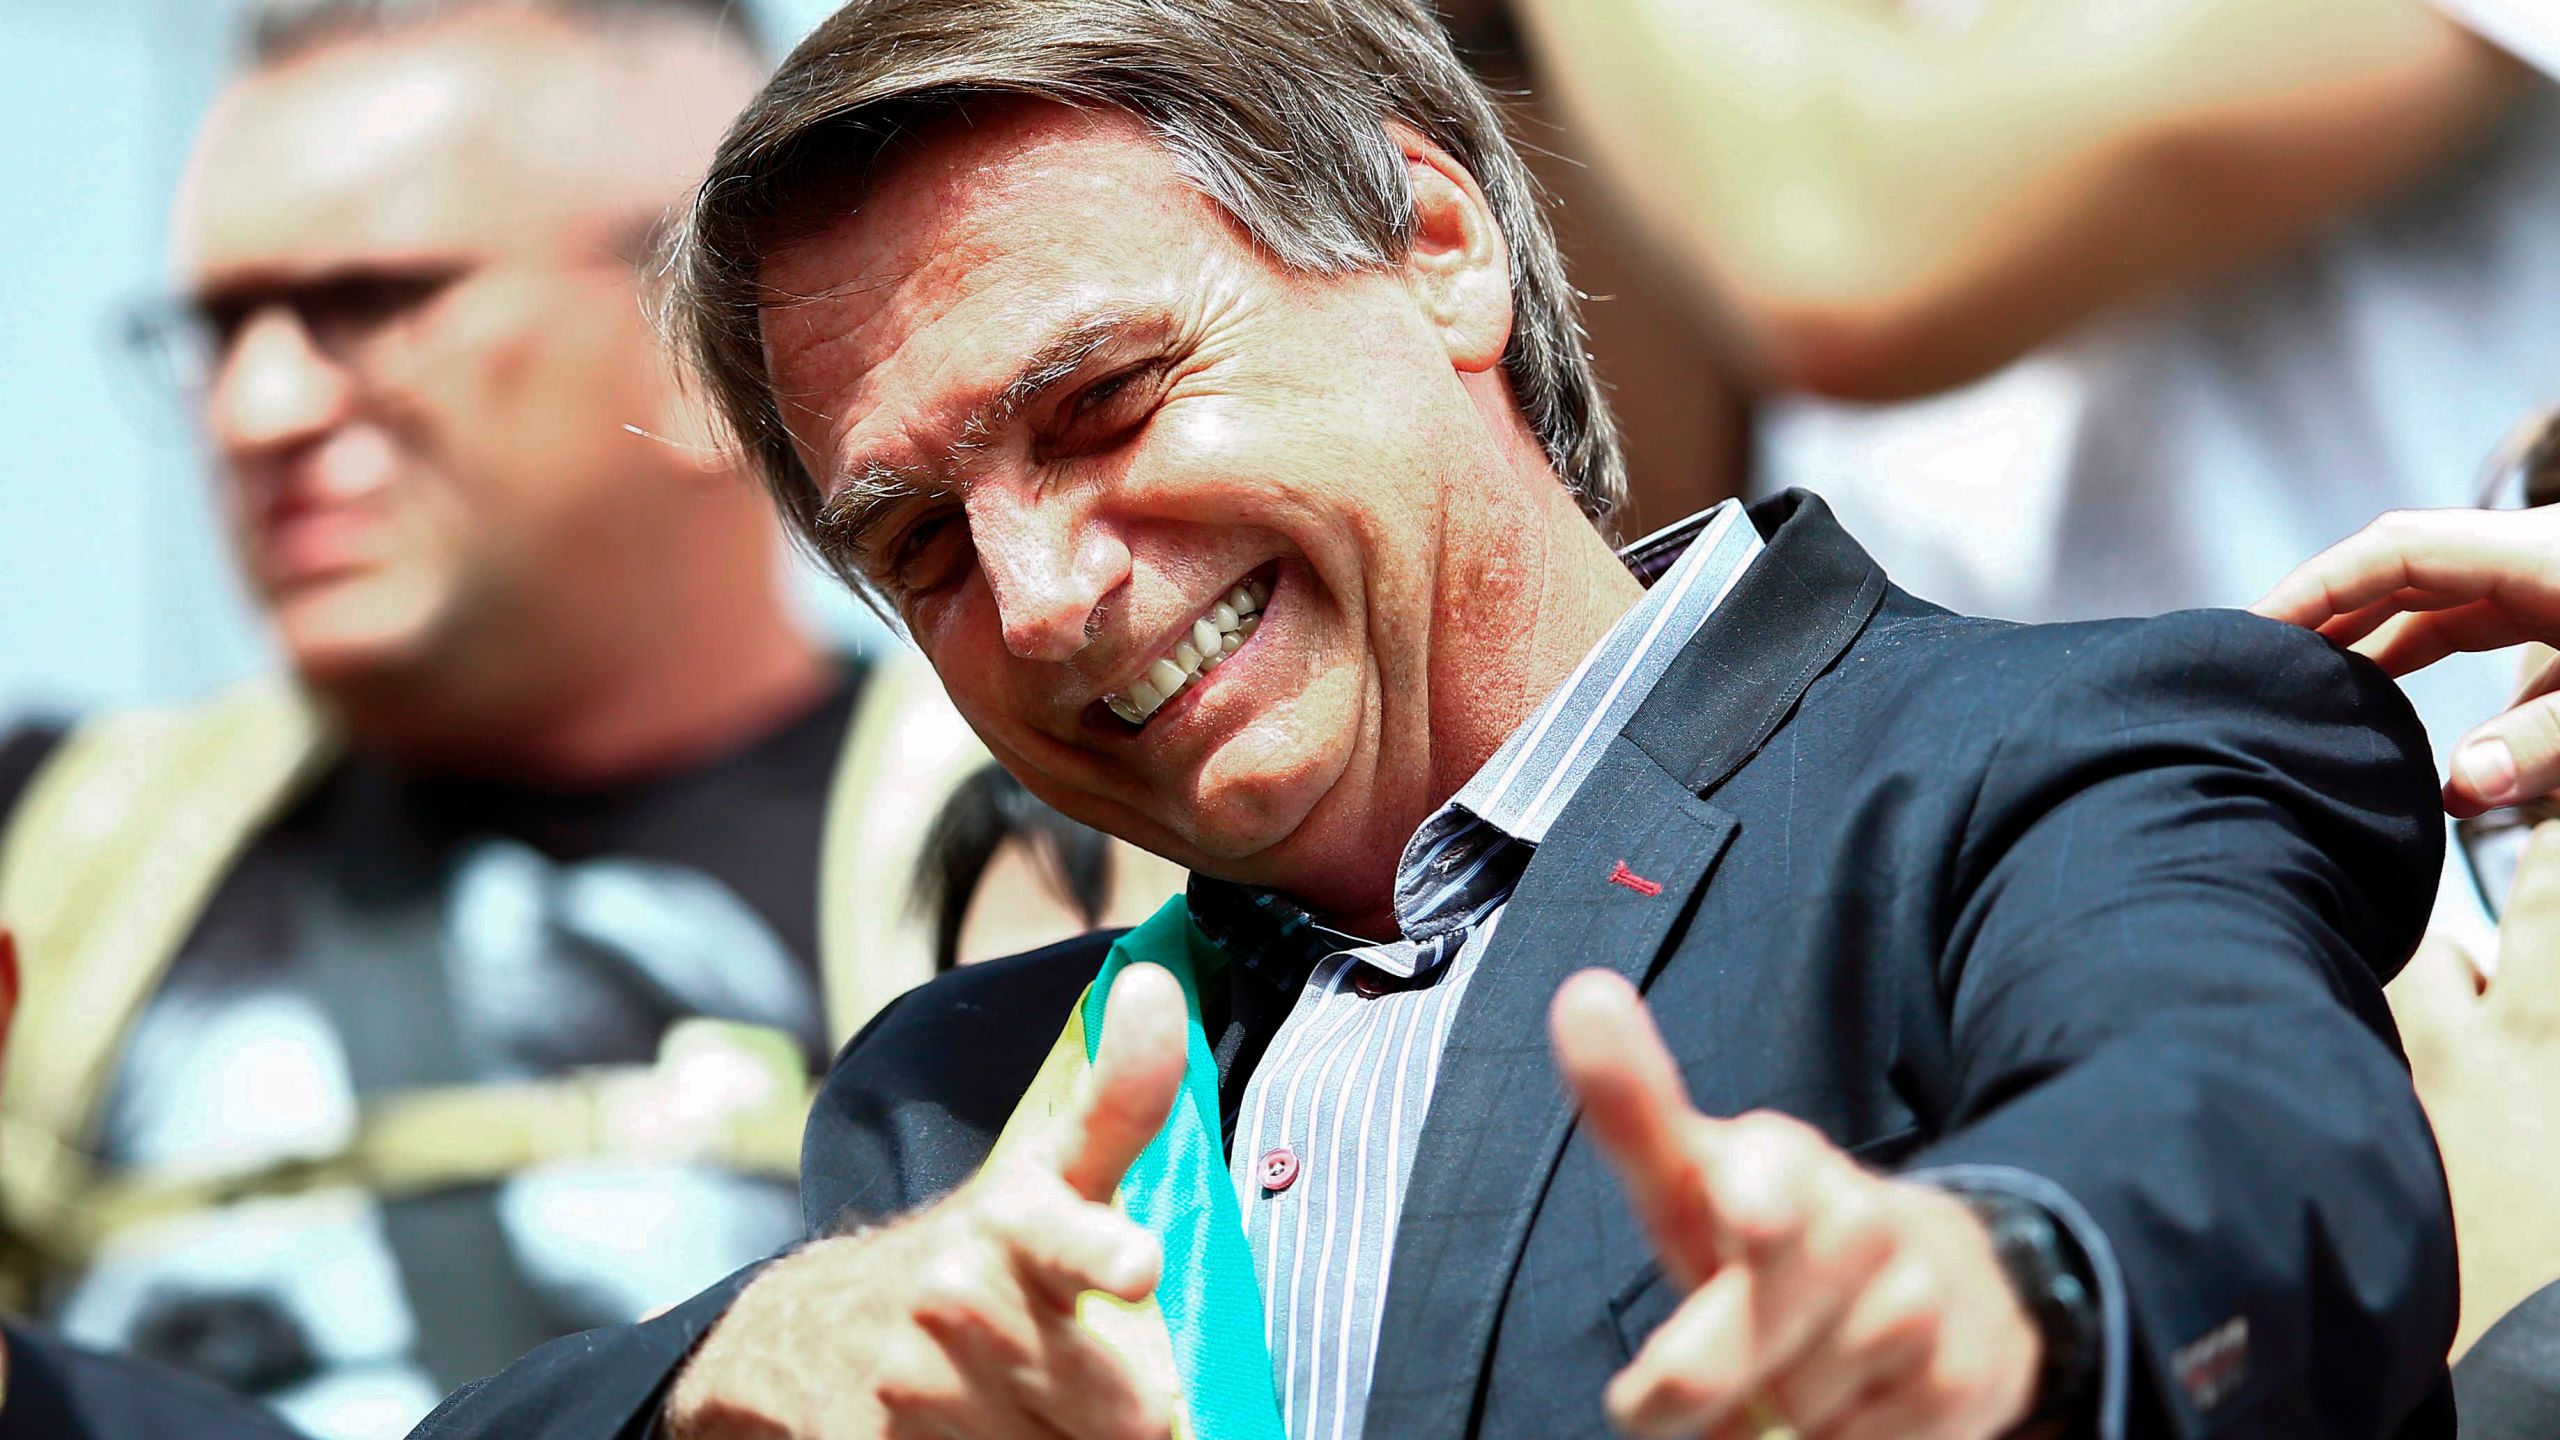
(2105,904)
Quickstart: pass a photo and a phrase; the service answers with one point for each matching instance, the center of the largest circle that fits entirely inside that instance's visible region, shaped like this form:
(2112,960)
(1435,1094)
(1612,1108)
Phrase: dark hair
(281,29)
(1278,110)
(987,811)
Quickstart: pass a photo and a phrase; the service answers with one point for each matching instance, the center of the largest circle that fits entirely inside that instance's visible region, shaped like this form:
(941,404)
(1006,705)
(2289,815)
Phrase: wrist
(2050,1280)
(730,1382)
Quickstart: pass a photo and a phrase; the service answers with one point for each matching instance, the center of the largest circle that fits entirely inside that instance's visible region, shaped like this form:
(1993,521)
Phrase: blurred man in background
(459,991)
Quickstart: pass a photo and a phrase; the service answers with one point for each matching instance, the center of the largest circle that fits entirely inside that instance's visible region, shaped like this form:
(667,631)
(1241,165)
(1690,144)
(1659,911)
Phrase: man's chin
(1285,798)
(1289,831)
(349,636)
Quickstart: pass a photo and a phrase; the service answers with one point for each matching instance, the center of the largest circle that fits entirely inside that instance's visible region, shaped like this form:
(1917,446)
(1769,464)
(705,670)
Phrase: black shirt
(61,1392)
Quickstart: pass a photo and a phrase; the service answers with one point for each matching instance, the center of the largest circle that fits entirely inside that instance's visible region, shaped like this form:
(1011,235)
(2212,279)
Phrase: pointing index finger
(1632,1098)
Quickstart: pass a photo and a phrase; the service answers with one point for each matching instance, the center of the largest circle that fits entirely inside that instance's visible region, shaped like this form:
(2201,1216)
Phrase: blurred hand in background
(2416,586)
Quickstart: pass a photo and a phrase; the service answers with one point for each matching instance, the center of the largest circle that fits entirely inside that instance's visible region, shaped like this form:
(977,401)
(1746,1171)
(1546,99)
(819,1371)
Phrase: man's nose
(1051,564)
(275,389)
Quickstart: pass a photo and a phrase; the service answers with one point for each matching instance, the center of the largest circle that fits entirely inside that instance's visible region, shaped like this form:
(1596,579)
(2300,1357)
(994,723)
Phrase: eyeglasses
(2493,848)
(356,317)
(348,317)
(2523,472)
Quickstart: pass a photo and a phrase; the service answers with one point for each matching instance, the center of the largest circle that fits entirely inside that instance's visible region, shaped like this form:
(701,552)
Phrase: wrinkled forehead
(484,134)
(967,247)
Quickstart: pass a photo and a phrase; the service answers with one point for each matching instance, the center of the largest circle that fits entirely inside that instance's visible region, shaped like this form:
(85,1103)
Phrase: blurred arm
(1888,205)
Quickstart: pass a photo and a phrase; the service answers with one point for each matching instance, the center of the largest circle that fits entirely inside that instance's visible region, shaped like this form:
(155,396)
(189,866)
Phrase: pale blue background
(113,585)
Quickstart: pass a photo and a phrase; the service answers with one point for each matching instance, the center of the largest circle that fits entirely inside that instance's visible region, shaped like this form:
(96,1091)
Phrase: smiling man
(1200,385)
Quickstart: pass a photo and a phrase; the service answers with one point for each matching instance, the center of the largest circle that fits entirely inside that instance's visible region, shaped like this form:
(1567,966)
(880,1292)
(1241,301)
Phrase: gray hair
(1276,109)
(279,30)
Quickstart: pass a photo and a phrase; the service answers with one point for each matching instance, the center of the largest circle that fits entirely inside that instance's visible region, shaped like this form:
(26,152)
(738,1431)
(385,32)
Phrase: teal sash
(1208,1298)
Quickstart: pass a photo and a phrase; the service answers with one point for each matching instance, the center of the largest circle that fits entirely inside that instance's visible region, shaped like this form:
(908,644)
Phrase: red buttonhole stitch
(1633,881)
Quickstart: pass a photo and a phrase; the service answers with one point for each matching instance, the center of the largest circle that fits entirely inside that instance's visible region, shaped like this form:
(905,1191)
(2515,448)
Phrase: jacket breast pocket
(1647,1299)
(1640,1307)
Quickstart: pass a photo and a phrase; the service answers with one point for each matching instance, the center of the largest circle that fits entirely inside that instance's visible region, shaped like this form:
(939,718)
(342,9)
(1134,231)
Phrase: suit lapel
(1621,868)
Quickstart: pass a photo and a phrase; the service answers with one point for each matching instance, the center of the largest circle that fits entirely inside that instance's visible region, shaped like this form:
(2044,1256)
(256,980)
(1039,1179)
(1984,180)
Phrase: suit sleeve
(603,1384)
(2193,860)
(908,1111)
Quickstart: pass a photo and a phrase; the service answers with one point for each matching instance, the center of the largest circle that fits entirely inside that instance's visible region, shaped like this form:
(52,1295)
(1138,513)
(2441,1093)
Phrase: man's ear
(1458,265)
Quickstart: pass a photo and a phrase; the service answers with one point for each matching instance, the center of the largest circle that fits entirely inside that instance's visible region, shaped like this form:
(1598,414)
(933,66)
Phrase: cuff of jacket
(2115,1324)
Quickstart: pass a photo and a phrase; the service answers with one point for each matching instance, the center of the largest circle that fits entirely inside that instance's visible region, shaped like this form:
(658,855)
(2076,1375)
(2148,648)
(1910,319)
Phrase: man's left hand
(1819,1297)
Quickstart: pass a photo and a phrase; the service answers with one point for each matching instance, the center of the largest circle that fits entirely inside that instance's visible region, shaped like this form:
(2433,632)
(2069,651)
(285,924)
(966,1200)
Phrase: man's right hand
(960,1319)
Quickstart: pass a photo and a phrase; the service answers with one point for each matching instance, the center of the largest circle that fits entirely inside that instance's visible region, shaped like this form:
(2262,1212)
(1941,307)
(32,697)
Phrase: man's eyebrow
(1057,360)
(843,524)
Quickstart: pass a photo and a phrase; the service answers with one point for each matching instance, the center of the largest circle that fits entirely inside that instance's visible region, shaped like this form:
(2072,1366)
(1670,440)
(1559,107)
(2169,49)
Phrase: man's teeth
(1213,638)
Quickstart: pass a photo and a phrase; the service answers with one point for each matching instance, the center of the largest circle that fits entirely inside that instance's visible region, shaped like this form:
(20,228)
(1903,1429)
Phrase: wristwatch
(2051,1278)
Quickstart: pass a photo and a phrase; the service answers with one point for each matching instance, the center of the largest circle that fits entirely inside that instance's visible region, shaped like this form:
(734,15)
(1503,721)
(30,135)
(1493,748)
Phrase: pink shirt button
(1278,1170)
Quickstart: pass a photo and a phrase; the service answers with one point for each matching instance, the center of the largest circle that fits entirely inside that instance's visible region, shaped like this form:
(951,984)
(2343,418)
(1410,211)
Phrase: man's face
(415,252)
(1100,413)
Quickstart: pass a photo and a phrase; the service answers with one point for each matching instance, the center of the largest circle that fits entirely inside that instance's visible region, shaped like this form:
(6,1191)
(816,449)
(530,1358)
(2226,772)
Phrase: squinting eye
(1106,411)
(930,554)
(1100,393)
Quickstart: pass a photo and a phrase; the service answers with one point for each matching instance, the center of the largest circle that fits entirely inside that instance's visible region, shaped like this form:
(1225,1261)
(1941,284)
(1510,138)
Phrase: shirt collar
(1455,865)
(1522,789)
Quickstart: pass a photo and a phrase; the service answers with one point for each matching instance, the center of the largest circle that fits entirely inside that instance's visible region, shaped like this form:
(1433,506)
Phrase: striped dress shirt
(1327,1124)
